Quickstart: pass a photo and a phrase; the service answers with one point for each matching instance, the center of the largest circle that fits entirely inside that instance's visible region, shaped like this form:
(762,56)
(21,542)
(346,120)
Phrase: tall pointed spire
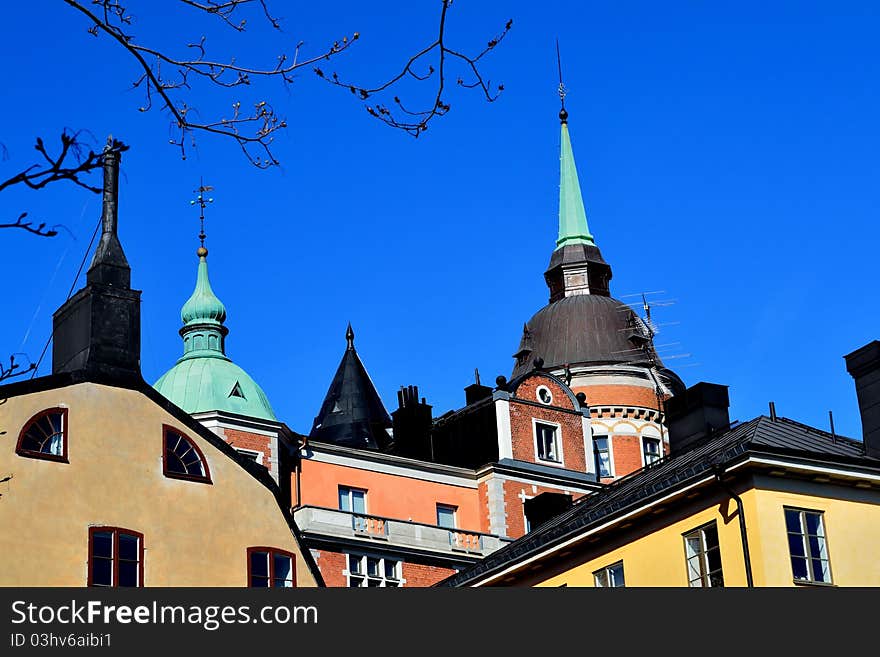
(573,227)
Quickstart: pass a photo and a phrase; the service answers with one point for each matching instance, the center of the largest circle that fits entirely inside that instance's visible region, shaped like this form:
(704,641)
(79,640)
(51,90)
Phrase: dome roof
(204,379)
(584,329)
(214,384)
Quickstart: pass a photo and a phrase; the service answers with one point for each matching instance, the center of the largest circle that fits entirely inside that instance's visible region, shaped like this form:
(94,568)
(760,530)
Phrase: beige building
(107,483)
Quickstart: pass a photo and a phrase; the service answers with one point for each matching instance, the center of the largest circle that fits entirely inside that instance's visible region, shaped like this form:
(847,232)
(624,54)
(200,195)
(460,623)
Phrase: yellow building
(770,502)
(107,483)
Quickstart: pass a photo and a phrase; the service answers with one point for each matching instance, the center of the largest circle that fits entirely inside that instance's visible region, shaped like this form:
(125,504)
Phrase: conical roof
(352,414)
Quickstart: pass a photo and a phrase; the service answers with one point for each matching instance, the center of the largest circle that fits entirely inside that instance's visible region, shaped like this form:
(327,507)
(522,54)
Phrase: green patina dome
(204,378)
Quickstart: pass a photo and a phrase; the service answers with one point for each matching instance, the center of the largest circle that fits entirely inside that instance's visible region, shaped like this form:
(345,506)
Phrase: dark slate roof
(584,328)
(352,414)
(762,435)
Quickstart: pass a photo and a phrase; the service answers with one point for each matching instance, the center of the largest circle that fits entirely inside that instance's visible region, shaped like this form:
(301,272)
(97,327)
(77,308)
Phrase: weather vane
(201,201)
(563,115)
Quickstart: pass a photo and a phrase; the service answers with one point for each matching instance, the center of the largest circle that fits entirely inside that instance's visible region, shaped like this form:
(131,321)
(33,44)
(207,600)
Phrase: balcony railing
(404,533)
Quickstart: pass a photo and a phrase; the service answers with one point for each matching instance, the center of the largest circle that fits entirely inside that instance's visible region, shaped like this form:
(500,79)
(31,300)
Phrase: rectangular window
(807,546)
(371,571)
(116,557)
(651,447)
(703,556)
(271,567)
(446,516)
(610,575)
(602,455)
(547,443)
(354,500)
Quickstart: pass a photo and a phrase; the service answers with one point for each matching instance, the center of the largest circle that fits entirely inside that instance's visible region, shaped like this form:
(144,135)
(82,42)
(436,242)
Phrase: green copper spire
(203,307)
(573,227)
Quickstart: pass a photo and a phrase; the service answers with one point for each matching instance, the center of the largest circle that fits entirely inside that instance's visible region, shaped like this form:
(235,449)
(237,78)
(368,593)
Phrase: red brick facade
(613,395)
(417,574)
(334,564)
(522,428)
(627,454)
(513,502)
(254,442)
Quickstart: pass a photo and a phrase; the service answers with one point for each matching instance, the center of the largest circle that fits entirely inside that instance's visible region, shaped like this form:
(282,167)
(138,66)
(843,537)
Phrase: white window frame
(643,440)
(381,578)
(702,556)
(448,507)
(806,546)
(596,453)
(560,463)
(538,395)
(246,452)
(606,570)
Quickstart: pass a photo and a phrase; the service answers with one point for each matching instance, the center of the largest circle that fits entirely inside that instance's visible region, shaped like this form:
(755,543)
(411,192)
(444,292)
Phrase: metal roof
(762,435)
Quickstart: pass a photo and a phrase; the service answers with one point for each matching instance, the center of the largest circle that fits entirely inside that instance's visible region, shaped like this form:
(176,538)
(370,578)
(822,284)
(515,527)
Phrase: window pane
(56,445)
(282,565)
(260,582)
(390,569)
(128,547)
(796,545)
(102,572)
(601,578)
(817,547)
(128,573)
(445,517)
(372,566)
(374,582)
(818,570)
(616,575)
(793,521)
(359,501)
(354,564)
(693,566)
(354,582)
(814,523)
(260,564)
(344,501)
(711,535)
(102,544)
(713,558)
(799,568)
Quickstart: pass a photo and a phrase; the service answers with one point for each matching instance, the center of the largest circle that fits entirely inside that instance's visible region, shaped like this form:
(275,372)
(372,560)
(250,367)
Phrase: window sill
(804,582)
(42,456)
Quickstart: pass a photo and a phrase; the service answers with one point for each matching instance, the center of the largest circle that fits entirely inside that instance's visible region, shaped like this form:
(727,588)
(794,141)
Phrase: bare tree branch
(70,163)
(14,369)
(415,122)
(252,130)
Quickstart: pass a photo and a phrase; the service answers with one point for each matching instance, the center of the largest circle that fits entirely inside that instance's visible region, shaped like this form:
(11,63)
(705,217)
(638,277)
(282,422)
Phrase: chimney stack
(864,366)
(412,422)
(99,328)
(696,413)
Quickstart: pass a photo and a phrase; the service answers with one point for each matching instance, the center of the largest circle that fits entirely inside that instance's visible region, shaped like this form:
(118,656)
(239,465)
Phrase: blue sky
(727,154)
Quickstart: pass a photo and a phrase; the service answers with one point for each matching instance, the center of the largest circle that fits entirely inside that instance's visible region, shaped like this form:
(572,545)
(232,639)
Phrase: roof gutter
(740,512)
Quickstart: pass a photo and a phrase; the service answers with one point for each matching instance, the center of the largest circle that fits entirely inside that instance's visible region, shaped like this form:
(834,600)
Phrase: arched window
(44,436)
(181,457)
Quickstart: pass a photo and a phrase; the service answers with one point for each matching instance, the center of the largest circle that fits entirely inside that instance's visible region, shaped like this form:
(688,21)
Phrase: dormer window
(544,395)
(44,436)
(182,459)
(237,391)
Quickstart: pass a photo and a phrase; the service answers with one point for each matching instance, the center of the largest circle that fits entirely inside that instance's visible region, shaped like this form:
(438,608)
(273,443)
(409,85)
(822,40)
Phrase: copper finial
(201,201)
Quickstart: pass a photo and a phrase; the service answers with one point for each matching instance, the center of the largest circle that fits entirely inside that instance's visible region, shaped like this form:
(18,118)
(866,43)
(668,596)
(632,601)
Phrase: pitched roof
(782,437)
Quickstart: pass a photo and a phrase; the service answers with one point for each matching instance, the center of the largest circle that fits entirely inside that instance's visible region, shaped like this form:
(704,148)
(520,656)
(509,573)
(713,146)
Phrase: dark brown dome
(584,329)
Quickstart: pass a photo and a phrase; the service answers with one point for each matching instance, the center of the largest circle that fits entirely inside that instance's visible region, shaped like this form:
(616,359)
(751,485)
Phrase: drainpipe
(742,524)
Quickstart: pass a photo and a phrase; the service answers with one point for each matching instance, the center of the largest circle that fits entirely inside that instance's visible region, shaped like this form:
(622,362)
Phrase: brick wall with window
(252,442)
(418,574)
(522,423)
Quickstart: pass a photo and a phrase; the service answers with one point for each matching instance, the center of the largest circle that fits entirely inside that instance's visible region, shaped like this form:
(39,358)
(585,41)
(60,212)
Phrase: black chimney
(541,508)
(864,366)
(412,422)
(696,413)
(99,328)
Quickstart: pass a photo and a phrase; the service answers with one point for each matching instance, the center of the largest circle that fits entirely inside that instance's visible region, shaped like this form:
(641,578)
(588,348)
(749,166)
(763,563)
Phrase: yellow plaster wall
(658,558)
(195,534)
(852,527)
